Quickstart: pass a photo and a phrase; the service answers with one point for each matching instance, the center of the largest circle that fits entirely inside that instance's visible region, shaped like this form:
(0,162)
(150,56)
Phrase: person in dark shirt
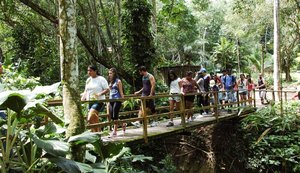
(147,90)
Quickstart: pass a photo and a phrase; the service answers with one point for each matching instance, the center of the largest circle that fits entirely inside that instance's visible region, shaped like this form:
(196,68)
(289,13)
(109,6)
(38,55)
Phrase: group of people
(97,86)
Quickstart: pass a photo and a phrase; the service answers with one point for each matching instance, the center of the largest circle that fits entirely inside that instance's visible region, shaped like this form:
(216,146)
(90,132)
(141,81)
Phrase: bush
(273,139)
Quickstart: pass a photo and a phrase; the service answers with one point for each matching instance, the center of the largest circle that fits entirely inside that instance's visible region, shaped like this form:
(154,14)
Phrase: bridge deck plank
(136,134)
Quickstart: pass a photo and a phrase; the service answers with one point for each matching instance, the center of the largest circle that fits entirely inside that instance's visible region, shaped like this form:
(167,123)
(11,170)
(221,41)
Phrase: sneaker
(153,124)
(136,124)
(170,123)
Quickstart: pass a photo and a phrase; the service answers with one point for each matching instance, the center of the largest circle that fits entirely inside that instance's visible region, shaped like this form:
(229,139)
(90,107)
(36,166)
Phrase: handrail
(145,117)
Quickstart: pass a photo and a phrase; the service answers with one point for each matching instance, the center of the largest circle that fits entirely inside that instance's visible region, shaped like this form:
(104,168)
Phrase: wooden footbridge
(145,132)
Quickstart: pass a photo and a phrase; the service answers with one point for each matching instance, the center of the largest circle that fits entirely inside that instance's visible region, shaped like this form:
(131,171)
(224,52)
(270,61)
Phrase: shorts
(229,96)
(243,93)
(175,98)
(262,93)
(150,104)
(96,106)
(189,98)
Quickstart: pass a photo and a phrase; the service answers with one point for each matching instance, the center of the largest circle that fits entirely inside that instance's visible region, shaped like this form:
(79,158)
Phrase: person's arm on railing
(138,92)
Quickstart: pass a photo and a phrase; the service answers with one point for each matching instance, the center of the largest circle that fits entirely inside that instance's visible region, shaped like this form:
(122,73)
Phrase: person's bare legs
(171,103)
(93,119)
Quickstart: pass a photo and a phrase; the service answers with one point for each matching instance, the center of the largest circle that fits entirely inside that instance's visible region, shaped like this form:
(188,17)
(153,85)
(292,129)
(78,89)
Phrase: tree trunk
(70,74)
(154,21)
(287,70)
(276,72)
(262,71)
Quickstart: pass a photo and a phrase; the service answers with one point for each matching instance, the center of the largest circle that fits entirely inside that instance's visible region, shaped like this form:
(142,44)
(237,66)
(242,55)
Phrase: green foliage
(13,80)
(35,53)
(273,139)
(138,43)
(176,32)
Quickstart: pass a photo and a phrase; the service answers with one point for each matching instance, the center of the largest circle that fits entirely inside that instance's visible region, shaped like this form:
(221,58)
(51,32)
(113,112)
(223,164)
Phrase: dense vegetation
(126,34)
(216,34)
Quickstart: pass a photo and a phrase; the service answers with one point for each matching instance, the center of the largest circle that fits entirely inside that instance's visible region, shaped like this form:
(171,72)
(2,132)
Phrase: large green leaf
(84,138)
(71,166)
(46,89)
(53,147)
(13,100)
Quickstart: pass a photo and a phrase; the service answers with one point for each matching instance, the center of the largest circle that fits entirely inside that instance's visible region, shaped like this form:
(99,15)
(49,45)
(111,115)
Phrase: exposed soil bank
(217,148)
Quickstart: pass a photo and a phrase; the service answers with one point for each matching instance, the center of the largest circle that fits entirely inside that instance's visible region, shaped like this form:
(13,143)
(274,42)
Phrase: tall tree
(69,73)
(276,71)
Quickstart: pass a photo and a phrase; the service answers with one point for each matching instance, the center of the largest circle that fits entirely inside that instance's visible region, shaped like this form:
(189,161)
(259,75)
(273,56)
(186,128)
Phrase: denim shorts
(229,96)
(96,106)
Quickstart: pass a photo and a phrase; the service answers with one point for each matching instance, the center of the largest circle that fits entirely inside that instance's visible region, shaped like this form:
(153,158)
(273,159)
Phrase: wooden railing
(146,117)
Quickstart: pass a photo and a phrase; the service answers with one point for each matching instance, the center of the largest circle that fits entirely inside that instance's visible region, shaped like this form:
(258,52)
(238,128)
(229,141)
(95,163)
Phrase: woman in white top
(95,89)
(243,88)
(174,83)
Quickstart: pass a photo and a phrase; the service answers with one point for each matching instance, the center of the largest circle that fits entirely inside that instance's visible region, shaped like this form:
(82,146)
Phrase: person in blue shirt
(228,82)
(116,92)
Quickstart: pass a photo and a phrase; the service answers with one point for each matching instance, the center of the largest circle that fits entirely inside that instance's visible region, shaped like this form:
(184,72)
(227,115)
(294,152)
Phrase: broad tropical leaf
(53,147)
(71,166)
(86,137)
(13,100)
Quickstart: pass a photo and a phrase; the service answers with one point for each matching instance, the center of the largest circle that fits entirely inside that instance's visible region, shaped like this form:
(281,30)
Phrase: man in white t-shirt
(95,89)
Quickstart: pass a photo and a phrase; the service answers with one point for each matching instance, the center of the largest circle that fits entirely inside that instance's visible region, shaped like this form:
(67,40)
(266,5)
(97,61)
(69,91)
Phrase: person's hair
(169,78)
(115,75)
(142,68)
(189,73)
(242,75)
(94,68)
(249,78)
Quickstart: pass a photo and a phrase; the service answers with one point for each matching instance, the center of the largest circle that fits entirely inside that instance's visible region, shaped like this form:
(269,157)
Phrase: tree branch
(99,58)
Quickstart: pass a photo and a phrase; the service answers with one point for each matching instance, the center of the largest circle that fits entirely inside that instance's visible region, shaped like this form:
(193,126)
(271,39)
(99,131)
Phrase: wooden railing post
(182,110)
(108,116)
(216,105)
(145,122)
(273,95)
(285,96)
(254,98)
(238,100)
